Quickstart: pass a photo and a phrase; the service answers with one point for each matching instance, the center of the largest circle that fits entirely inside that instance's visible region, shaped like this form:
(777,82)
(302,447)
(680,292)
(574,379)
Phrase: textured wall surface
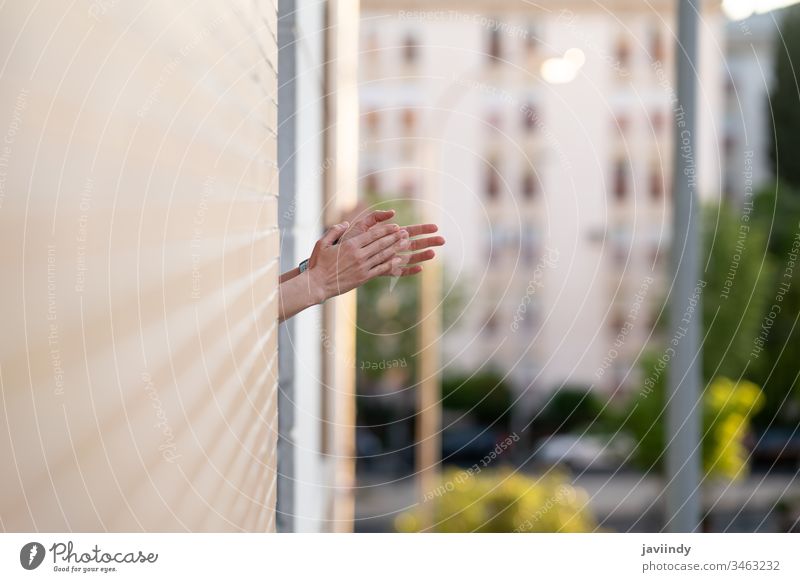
(139,261)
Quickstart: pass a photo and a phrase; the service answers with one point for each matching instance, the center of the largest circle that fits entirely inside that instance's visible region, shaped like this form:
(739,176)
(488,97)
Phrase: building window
(656,182)
(529,185)
(495,120)
(495,48)
(657,52)
(620,253)
(729,144)
(491,323)
(620,179)
(410,50)
(730,89)
(529,117)
(531,39)
(372,122)
(372,47)
(658,123)
(497,241)
(409,118)
(622,53)
(528,243)
(622,124)
(656,257)
(529,319)
(491,245)
(615,324)
(492,180)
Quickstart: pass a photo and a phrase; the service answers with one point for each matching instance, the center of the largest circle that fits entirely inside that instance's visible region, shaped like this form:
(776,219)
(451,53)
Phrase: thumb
(333,234)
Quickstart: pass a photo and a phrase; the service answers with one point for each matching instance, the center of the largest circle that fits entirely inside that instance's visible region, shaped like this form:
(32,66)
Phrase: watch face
(304,266)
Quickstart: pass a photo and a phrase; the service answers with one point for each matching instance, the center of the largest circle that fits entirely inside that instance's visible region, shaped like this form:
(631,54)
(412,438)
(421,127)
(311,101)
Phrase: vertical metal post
(287,163)
(683,462)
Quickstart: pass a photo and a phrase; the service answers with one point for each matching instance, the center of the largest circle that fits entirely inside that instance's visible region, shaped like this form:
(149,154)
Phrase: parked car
(467,445)
(776,448)
(584,452)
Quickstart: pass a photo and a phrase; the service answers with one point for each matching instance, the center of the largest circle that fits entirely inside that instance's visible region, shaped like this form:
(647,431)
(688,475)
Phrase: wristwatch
(303,266)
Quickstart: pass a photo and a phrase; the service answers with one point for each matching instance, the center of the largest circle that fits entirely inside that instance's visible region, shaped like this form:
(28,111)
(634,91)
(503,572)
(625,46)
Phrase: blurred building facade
(749,54)
(547,132)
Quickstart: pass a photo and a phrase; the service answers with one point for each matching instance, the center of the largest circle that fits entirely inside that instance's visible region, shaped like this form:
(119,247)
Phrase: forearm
(296,294)
(288,275)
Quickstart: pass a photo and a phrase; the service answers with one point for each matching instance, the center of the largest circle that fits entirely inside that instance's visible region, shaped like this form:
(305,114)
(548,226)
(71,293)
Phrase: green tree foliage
(784,104)
(570,409)
(484,395)
(738,275)
(644,417)
(778,215)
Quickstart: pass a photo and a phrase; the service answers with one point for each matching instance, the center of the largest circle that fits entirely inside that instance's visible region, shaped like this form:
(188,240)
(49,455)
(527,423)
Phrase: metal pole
(287,162)
(683,461)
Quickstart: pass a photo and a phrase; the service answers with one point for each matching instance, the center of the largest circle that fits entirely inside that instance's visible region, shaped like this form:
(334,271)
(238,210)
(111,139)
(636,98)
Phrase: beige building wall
(341,195)
(138,252)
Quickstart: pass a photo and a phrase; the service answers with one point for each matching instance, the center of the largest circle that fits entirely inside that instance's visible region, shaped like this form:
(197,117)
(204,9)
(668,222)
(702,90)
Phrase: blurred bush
(571,409)
(503,501)
(486,396)
(728,407)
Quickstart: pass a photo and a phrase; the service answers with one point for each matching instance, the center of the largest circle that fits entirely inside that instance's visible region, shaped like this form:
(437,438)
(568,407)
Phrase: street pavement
(621,502)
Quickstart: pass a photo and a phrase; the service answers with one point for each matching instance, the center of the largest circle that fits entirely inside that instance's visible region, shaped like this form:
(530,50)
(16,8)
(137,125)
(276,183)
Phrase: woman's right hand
(336,269)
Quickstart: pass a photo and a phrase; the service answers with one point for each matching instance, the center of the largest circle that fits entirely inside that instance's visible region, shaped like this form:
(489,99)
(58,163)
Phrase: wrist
(318,290)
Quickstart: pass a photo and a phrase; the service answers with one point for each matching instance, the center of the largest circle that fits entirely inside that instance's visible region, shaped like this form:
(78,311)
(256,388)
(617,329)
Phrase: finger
(351,215)
(411,271)
(424,243)
(373,234)
(385,268)
(374,218)
(401,271)
(381,250)
(333,234)
(418,229)
(420,257)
